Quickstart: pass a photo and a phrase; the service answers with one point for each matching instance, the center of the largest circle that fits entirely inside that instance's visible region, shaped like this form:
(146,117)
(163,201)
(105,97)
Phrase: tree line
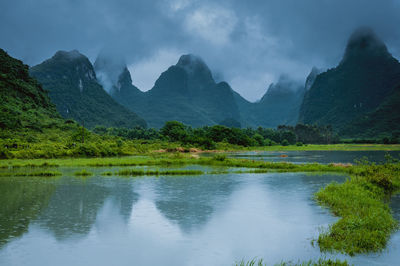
(207,136)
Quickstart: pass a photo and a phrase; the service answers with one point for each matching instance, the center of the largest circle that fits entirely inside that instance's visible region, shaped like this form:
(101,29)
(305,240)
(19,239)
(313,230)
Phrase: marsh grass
(35,173)
(83,172)
(139,172)
(366,222)
(319,262)
(170,160)
(107,173)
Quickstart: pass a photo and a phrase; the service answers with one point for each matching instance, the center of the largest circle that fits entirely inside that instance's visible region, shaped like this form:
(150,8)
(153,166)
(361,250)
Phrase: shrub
(285,142)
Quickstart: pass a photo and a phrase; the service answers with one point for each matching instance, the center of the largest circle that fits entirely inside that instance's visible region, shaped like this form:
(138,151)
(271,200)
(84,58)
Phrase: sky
(249,44)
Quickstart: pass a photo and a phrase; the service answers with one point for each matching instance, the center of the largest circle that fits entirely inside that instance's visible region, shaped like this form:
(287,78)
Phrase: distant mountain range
(187,92)
(359,98)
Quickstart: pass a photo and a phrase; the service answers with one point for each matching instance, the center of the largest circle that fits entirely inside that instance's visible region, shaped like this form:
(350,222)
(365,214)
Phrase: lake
(186,220)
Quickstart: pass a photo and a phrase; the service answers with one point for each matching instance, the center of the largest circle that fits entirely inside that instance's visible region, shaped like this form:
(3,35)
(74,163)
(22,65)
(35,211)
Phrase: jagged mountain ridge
(278,106)
(73,87)
(185,92)
(365,78)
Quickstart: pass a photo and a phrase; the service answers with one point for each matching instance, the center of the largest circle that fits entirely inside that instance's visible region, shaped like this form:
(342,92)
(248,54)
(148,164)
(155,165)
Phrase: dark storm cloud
(248,43)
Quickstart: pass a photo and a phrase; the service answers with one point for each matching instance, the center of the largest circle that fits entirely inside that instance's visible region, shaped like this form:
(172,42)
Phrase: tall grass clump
(83,172)
(319,262)
(366,222)
(38,173)
(139,172)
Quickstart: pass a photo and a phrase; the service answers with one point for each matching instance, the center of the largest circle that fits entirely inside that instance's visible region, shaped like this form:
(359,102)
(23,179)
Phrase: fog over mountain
(249,44)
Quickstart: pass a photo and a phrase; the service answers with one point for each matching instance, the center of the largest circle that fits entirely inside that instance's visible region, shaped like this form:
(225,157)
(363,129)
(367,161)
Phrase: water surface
(323,157)
(189,220)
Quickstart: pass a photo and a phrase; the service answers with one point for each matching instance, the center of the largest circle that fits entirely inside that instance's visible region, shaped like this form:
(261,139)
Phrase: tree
(174,131)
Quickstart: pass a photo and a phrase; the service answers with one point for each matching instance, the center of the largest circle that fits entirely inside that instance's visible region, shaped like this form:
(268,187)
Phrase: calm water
(193,220)
(317,156)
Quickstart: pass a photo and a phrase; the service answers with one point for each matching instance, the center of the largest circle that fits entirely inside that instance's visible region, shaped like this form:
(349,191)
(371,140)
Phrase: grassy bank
(319,262)
(35,173)
(83,172)
(58,144)
(166,160)
(366,222)
(139,172)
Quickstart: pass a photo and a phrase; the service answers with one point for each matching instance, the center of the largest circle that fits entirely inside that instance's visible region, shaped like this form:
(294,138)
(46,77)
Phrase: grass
(319,262)
(167,160)
(366,222)
(139,172)
(83,172)
(108,173)
(36,173)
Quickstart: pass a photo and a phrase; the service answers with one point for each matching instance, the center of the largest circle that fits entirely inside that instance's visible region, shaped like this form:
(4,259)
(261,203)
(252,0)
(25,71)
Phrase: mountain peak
(311,77)
(112,71)
(364,42)
(193,64)
(285,85)
(68,55)
(68,63)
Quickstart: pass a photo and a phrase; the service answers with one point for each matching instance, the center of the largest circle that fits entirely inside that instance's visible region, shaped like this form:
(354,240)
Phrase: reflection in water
(20,203)
(207,220)
(73,209)
(191,203)
(324,157)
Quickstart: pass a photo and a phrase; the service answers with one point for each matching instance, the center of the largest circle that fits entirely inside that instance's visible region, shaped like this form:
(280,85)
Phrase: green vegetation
(24,104)
(366,222)
(35,173)
(30,126)
(319,262)
(83,172)
(174,160)
(209,137)
(139,172)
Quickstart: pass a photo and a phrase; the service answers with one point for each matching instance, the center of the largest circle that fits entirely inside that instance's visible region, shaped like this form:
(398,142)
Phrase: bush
(219,157)
(259,139)
(268,142)
(285,142)
(5,153)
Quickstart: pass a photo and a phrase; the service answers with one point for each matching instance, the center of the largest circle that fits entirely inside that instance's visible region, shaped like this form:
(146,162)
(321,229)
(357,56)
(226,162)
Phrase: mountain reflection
(191,204)
(74,207)
(20,203)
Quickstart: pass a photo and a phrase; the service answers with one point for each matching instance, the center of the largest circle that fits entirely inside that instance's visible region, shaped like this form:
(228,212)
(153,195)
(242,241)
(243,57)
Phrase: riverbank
(366,222)
(316,147)
(106,147)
